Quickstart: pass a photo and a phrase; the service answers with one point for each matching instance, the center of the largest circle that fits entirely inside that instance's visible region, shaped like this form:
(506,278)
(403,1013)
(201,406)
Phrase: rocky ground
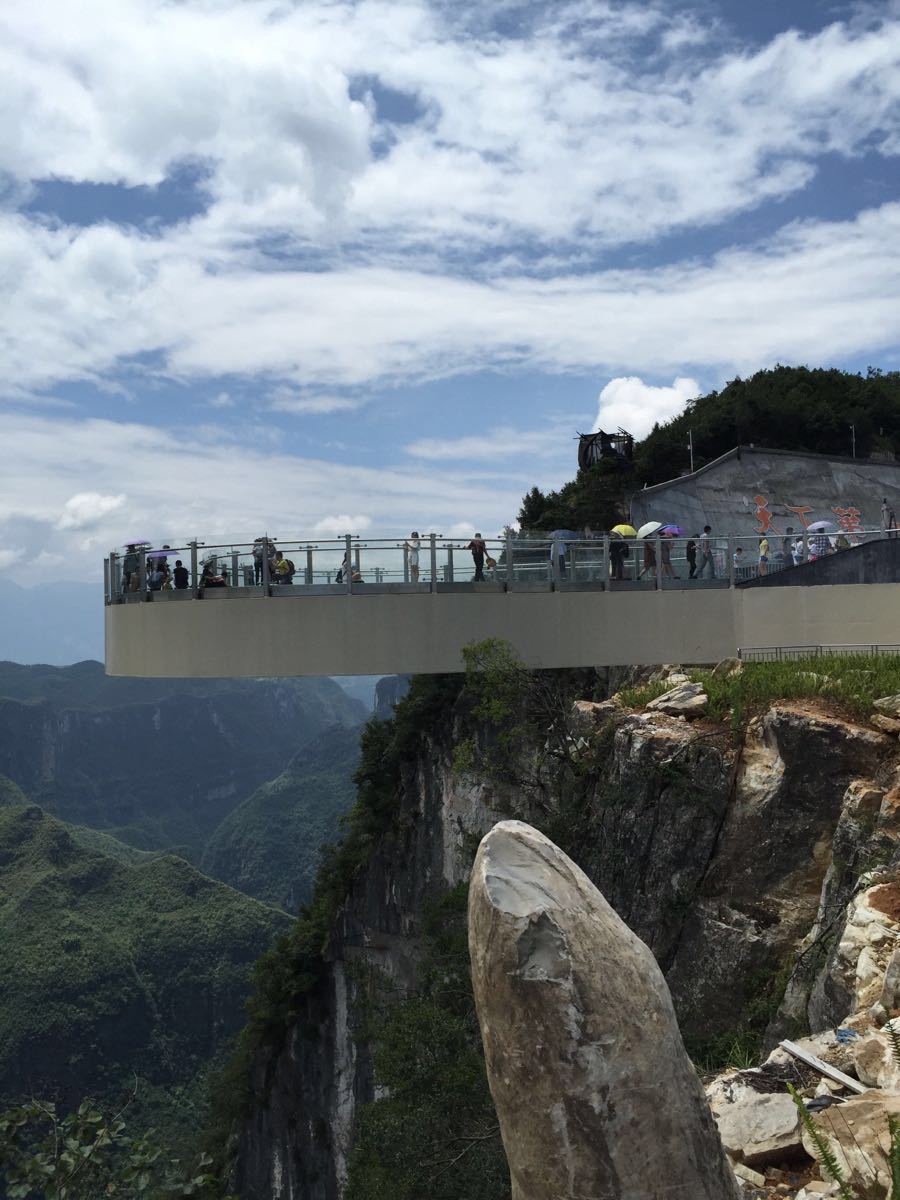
(851,998)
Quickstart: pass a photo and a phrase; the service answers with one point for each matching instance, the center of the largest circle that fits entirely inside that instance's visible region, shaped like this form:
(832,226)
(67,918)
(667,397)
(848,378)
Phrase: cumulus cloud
(88,508)
(291,496)
(629,403)
(343,523)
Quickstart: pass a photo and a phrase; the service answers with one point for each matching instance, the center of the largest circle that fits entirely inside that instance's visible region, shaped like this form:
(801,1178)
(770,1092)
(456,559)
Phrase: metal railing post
(659,575)
(348,560)
(405,563)
(142,571)
(107,576)
(235,578)
(309,566)
(195,582)
(356,559)
(449,562)
(432,538)
(729,550)
(510,564)
(266,571)
(607,573)
(554,564)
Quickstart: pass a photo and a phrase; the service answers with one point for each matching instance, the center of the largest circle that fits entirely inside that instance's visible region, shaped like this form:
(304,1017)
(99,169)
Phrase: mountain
(115,969)
(51,622)
(269,846)
(156,763)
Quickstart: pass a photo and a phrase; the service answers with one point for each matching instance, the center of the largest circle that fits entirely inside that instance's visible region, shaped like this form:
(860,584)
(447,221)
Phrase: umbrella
(672,531)
(564,535)
(624,530)
(137,542)
(822,527)
(650,527)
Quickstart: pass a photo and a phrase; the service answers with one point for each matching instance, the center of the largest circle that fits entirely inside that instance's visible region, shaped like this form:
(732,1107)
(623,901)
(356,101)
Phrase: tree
(88,1154)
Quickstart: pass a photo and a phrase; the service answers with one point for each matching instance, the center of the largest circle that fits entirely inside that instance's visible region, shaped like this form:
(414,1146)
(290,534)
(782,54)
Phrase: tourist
(130,566)
(618,552)
(209,578)
(797,550)
(665,555)
(479,550)
(763,555)
(181,575)
(706,558)
(690,553)
(819,546)
(885,515)
(739,559)
(412,548)
(649,559)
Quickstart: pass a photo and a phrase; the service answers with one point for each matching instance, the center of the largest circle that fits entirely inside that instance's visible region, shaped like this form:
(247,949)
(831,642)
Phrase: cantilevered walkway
(399,608)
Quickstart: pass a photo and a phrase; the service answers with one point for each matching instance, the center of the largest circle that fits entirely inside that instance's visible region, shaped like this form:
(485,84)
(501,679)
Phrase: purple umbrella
(671,531)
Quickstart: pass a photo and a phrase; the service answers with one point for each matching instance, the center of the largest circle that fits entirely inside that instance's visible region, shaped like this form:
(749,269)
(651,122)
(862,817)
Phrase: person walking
(479,550)
(690,553)
(665,558)
(706,558)
(412,549)
(885,515)
(181,575)
(618,552)
(763,555)
(130,565)
(649,559)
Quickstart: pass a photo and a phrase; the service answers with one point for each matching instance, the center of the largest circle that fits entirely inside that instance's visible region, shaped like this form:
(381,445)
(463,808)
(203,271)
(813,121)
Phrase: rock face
(594,1091)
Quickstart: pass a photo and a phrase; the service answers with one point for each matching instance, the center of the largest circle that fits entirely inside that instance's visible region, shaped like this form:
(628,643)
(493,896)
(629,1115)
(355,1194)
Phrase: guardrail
(356,565)
(791,653)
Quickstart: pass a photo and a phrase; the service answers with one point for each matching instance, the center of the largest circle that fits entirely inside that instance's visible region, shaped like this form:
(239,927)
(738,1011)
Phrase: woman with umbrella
(665,549)
(619,549)
(645,532)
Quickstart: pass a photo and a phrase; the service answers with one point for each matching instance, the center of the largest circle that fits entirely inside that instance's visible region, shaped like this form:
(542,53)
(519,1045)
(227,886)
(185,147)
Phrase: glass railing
(360,565)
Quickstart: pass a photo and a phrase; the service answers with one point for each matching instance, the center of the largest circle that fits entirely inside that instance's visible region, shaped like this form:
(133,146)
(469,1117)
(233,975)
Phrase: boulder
(727,666)
(594,1092)
(885,724)
(857,1132)
(588,715)
(889,705)
(684,700)
(760,1130)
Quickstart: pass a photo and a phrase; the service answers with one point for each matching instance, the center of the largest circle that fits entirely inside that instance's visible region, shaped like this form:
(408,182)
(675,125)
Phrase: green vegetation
(434,1135)
(269,846)
(113,969)
(156,764)
(788,408)
(89,1153)
(853,682)
(285,975)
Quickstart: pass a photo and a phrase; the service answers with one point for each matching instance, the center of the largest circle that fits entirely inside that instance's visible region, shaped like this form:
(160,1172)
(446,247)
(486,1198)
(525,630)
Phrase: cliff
(730,855)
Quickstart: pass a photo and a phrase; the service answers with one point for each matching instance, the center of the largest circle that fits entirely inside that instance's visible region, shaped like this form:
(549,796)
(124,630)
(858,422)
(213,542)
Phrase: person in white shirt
(706,558)
(412,549)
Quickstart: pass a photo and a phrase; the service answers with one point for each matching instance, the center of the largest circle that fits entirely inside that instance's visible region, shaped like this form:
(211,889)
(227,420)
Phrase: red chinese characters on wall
(849,518)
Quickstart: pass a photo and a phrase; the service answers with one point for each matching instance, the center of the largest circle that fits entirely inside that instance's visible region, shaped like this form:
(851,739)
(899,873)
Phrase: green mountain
(269,845)
(156,763)
(113,970)
(786,408)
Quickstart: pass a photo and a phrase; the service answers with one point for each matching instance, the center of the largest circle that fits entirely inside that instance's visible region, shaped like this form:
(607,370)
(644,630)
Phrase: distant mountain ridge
(156,763)
(112,970)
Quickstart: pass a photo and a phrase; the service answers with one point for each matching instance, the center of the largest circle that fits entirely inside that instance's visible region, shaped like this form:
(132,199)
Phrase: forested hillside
(786,408)
(113,970)
(156,763)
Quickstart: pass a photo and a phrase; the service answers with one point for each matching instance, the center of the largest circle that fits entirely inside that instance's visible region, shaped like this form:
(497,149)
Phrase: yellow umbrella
(625,530)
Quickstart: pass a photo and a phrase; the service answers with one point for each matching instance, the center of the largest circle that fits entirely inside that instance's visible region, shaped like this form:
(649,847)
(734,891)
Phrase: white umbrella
(648,528)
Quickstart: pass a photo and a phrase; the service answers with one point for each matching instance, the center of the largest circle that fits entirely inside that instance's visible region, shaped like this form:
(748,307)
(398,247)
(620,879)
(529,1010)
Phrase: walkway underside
(422,633)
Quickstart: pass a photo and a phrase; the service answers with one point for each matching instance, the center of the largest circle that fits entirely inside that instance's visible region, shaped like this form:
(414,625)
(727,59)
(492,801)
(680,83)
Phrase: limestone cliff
(728,858)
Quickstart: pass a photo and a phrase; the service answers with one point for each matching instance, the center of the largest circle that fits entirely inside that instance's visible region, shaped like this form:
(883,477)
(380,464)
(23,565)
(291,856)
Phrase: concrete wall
(724,493)
(385,634)
(873,562)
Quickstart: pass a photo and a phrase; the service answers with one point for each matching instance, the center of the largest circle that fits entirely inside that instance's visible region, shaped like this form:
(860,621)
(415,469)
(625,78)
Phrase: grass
(851,682)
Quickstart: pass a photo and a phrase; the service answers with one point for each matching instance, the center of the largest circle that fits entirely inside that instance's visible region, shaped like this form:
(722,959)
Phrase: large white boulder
(594,1092)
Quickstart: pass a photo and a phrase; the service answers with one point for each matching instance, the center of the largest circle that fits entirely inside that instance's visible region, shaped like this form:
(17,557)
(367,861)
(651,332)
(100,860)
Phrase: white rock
(760,1129)
(687,699)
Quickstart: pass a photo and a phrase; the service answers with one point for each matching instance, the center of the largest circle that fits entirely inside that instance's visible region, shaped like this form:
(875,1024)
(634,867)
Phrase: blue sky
(358,265)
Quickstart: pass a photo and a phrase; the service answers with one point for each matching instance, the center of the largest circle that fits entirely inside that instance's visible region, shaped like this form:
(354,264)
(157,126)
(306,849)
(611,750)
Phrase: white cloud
(9,556)
(629,403)
(222,400)
(338,526)
(88,508)
(312,405)
(290,496)
(492,445)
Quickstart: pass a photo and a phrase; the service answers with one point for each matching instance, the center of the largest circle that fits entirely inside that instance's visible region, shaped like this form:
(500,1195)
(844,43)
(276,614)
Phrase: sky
(331,267)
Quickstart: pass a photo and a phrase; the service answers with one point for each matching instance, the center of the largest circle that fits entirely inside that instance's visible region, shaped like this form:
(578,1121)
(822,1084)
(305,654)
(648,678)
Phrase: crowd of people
(165,572)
